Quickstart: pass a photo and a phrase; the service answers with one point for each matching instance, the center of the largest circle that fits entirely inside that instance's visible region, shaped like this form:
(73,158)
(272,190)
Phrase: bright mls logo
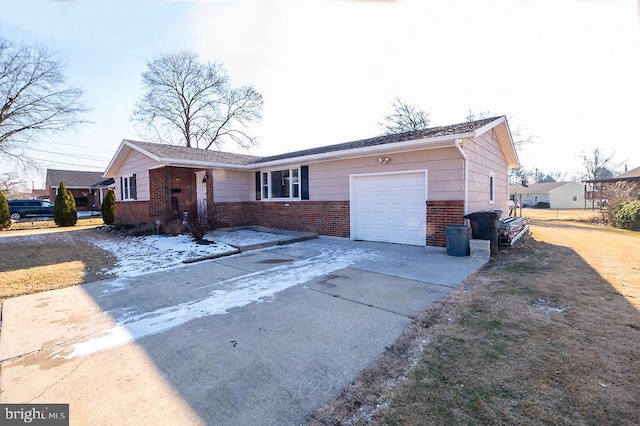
(34,414)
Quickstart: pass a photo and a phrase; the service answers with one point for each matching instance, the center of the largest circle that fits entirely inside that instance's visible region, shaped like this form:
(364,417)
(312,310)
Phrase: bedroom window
(281,184)
(492,189)
(128,187)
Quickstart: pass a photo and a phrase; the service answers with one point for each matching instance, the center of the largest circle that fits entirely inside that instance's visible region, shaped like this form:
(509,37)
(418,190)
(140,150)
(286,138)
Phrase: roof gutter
(460,147)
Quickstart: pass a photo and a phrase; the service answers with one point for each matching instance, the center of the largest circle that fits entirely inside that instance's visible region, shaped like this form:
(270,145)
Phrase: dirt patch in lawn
(547,333)
(50,260)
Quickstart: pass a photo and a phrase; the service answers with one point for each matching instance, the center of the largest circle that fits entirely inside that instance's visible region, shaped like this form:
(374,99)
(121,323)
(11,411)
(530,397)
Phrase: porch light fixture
(205,178)
(383,160)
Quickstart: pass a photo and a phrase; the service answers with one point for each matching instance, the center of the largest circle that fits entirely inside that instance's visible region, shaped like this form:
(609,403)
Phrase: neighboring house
(88,188)
(559,195)
(402,188)
(629,176)
(597,188)
(40,194)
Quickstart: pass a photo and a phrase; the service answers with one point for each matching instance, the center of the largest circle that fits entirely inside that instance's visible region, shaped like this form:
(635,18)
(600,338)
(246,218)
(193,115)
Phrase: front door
(201,195)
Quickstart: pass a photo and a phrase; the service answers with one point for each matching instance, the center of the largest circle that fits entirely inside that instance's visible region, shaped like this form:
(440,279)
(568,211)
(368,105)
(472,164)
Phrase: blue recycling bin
(457,240)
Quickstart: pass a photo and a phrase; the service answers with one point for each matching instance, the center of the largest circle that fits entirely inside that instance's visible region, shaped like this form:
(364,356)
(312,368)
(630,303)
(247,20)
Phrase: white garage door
(389,208)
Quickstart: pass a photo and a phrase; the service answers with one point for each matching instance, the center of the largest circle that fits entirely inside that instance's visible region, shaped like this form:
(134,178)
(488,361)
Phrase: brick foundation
(439,215)
(231,214)
(132,212)
(323,217)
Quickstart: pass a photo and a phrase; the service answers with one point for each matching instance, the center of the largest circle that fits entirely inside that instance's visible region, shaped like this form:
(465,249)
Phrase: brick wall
(132,212)
(172,182)
(323,217)
(439,215)
(231,214)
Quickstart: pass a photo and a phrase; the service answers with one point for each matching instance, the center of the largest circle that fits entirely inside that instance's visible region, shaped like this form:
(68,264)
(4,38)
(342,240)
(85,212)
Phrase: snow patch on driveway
(224,296)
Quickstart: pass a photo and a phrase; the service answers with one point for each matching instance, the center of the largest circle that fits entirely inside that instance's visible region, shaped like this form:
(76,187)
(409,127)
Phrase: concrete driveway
(262,337)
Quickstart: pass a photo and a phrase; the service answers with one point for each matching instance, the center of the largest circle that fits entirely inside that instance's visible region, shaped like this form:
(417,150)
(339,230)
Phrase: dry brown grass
(546,333)
(581,215)
(50,259)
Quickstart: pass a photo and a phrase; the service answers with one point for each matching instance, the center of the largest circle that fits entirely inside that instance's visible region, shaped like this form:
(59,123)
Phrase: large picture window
(280,184)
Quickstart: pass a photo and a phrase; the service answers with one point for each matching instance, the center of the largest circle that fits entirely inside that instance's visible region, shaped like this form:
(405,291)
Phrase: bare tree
(598,164)
(519,135)
(190,103)
(405,118)
(477,115)
(11,185)
(34,98)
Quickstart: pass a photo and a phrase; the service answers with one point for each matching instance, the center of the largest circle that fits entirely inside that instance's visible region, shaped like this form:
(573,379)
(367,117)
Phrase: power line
(68,164)
(81,157)
(76,146)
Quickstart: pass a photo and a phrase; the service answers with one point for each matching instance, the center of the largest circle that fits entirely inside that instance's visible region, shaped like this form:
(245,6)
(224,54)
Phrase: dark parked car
(542,205)
(29,208)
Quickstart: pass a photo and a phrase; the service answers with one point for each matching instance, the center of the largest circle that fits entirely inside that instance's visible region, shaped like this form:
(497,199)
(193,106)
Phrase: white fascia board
(389,148)
(114,159)
(508,147)
(200,164)
(481,130)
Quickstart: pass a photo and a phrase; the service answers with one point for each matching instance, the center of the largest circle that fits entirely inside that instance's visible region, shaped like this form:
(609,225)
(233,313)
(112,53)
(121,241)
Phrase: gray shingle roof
(537,188)
(73,178)
(172,152)
(431,132)
(631,175)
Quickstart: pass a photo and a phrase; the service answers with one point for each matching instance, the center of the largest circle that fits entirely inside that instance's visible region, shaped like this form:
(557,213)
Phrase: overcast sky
(566,72)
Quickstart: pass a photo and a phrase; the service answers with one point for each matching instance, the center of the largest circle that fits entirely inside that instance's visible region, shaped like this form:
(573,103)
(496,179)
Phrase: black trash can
(485,225)
(458,237)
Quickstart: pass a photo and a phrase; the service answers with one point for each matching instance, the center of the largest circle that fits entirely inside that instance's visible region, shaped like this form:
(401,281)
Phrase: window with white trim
(128,190)
(492,188)
(280,184)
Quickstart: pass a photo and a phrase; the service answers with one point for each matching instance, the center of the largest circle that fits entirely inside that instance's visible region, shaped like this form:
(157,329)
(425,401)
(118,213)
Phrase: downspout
(466,174)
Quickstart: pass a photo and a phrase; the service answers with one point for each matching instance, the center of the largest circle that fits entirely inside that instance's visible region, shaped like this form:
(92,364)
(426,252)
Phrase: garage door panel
(390,208)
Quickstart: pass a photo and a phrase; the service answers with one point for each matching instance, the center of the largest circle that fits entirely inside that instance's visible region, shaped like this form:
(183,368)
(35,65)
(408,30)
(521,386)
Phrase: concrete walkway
(261,337)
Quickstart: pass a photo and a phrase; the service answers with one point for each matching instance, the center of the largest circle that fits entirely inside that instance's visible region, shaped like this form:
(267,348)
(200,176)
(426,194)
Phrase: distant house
(559,195)
(402,188)
(88,188)
(630,176)
(39,194)
(597,188)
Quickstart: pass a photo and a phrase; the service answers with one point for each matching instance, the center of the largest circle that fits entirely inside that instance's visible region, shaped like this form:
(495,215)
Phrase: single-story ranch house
(88,188)
(403,188)
(559,195)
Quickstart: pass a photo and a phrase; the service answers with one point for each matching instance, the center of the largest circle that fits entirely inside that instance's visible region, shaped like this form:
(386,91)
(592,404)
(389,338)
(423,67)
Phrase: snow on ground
(244,237)
(224,296)
(153,253)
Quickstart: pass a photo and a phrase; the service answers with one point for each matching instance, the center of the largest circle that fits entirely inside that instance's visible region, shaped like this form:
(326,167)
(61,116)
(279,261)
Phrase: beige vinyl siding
(233,186)
(329,181)
(486,158)
(139,164)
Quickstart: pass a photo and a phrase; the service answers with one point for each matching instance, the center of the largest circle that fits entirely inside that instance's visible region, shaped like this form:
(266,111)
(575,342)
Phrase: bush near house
(108,208)
(5,216)
(64,210)
(627,215)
